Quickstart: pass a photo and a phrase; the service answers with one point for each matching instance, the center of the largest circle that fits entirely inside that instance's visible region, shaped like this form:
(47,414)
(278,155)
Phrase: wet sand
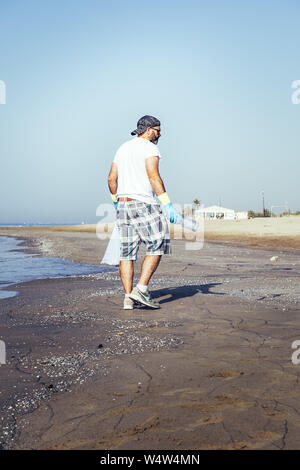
(211,369)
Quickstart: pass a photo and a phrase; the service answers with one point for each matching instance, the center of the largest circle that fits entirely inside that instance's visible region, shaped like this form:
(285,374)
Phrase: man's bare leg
(140,293)
(149,267)
(126,273)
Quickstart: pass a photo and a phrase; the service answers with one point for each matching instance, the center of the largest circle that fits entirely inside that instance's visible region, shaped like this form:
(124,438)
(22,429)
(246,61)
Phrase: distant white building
(241,215)
(218,212)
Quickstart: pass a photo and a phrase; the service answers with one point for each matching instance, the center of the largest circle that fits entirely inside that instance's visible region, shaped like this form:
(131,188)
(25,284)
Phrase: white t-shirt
(133,179)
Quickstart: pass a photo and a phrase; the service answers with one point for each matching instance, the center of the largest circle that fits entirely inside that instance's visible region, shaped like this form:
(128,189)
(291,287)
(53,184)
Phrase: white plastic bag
(112,253)
(190,224)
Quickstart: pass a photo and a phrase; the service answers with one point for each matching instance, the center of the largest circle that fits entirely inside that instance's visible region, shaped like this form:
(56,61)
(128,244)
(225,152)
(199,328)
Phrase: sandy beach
(211,369)
(268,232)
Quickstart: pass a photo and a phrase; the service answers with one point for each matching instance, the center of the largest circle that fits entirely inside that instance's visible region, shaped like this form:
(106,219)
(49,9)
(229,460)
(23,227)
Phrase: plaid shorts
(141,222)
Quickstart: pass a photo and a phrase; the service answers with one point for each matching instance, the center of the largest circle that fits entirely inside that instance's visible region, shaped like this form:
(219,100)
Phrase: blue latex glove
(171,213)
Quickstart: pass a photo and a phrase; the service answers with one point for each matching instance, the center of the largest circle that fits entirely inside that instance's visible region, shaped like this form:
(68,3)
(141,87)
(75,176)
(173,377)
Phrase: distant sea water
(35,224)
(17,266)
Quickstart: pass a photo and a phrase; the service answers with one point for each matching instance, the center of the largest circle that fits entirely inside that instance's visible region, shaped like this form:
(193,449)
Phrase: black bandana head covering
(144,122)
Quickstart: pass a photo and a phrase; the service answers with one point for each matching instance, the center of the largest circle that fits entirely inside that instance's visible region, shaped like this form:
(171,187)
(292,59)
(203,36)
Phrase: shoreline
(264,233)
(206,371)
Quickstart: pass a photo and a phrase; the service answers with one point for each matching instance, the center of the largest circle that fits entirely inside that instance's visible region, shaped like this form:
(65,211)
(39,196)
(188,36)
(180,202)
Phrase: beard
(154,139)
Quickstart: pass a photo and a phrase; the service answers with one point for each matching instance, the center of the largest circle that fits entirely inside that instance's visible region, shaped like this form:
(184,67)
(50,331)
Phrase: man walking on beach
(134,180)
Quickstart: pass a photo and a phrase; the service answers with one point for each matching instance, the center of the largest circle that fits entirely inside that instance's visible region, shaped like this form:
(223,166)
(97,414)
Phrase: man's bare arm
(154,176)
(113,178)
(159,189)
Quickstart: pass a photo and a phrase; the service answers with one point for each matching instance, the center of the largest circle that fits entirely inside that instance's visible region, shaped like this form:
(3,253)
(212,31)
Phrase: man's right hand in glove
(172,213)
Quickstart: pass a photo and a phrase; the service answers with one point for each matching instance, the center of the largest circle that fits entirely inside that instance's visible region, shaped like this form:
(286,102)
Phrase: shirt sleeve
(152,151)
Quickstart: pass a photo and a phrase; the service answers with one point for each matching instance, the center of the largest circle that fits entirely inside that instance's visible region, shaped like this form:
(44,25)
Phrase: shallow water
(17,266)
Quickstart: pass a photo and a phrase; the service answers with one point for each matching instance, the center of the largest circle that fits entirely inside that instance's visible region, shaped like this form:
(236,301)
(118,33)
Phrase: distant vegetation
(270,214)
(266,213)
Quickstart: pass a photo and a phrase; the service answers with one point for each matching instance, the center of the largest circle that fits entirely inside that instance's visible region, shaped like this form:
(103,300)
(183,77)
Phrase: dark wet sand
(210,370)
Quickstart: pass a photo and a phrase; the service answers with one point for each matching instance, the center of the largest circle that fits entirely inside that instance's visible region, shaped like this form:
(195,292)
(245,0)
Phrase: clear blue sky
(79,74)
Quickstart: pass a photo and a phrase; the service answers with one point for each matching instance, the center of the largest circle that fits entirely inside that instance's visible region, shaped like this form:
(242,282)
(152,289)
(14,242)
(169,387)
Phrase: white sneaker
(128,303)
(143,298)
